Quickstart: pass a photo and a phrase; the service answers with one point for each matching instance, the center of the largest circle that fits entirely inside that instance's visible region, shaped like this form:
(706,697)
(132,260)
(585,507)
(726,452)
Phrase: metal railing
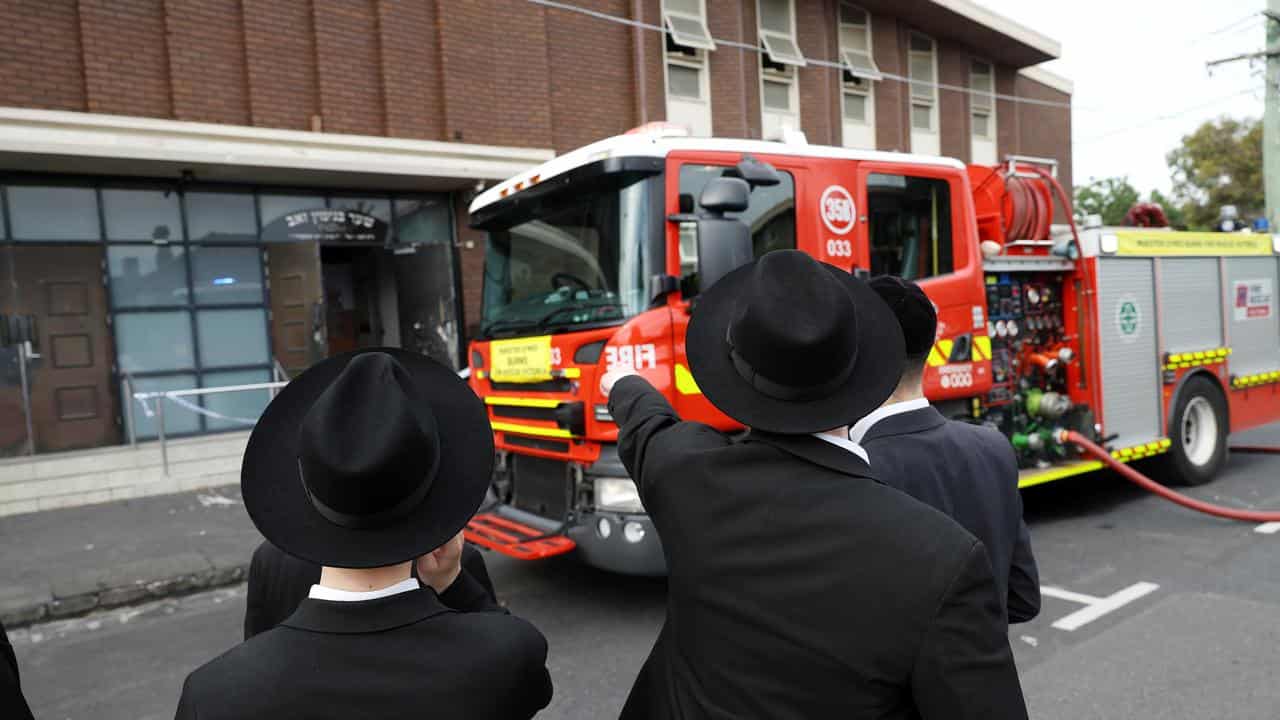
(177,396)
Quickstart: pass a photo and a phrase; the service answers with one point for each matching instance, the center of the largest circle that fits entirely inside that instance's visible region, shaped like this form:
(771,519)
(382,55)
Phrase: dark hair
(915,312)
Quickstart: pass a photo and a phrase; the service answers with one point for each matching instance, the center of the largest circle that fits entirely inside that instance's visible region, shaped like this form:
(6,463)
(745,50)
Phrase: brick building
(194,193)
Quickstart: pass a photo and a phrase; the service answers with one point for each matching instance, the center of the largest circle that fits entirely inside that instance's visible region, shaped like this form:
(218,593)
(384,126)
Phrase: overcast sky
(1139,74)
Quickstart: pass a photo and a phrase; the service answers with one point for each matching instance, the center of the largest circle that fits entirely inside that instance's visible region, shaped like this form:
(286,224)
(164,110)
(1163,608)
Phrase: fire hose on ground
(1097,452)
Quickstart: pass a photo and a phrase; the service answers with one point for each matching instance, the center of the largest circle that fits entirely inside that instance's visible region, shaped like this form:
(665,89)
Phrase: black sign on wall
(327,226)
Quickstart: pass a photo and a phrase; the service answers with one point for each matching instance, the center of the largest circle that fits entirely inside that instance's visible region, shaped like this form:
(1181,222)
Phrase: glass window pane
(922,117)
(855,107)
(688,7)
(853,37)
(147,275)
(221,217)
(782,50)
(920,43)
(852,14)
(141,215)
(232,337)
(226,275)
(378,207)
(775,15)
(53,213)
(909,226)
(275,207)
(981,124)
(177,419)
(684,82)
(424,220)
(244,405)
(689,33)
(154,341)
(777,96)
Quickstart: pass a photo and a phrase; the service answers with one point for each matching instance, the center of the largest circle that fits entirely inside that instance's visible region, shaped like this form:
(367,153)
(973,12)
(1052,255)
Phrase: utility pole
(1271,119)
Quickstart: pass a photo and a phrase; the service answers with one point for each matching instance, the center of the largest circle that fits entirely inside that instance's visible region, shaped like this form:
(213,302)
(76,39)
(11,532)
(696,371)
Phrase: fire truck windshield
(576,259)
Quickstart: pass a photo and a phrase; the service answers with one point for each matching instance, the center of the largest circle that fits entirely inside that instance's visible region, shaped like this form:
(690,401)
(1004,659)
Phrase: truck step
(515,539)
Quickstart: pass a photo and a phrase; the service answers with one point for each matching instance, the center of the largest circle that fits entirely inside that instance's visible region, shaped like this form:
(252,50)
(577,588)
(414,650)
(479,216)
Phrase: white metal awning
(59,141)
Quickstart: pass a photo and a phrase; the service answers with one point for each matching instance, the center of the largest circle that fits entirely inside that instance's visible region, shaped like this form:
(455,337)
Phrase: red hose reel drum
(1010,207)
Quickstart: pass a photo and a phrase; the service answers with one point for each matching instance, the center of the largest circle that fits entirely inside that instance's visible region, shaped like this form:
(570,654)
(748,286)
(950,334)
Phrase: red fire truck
(1151,342)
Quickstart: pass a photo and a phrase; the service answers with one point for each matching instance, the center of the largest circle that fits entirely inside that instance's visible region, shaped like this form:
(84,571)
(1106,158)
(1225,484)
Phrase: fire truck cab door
(915,222)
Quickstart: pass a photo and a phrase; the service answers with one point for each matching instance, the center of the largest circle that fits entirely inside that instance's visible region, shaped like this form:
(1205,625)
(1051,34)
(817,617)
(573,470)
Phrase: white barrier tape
(209,413)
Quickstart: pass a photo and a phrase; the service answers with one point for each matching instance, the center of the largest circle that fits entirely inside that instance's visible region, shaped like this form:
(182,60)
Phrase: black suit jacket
(799,587)
(12,703)
(970,473)
(411,655)
(279,582)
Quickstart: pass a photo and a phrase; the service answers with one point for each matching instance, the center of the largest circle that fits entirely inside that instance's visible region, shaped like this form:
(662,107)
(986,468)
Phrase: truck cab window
(909,226)
(771,217)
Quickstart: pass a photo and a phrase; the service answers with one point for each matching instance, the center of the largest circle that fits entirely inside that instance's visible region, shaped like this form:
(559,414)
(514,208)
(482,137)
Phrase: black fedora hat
(791,345)
(368,459)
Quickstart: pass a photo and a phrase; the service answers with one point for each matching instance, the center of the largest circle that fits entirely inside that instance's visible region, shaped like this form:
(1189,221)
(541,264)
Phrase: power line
(1166,116)
(811,61)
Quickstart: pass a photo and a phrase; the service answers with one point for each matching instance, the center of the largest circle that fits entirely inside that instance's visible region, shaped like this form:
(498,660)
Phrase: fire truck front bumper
(619,542)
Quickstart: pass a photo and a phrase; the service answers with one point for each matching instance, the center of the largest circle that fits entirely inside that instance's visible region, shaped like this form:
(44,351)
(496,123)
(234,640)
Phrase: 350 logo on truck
(838,212)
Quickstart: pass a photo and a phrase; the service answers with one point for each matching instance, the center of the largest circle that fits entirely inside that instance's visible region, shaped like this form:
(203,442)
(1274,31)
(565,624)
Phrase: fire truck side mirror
(724,244)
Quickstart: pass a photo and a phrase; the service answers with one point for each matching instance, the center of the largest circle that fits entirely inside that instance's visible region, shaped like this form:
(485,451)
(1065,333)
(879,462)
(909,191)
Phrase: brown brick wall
(888,45)
(347,60)
(411,81)
(37,69)
(207,60)
(125,66)
(280,47)
(591,63)
(953,105)
(816,25)
(1006,113)
(735,73)
(650,68)
(496,79)
(471,260)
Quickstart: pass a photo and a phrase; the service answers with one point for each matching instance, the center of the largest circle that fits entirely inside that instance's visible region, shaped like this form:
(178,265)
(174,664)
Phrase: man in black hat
(799,586)
(363,464)
(967,471)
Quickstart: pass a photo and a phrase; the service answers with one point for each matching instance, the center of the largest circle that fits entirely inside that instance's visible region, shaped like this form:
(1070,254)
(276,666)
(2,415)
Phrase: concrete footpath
(62,563)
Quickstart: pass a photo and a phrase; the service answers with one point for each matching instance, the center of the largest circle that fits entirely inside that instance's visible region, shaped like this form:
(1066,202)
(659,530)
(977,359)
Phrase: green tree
(1109,197)
(1218,164)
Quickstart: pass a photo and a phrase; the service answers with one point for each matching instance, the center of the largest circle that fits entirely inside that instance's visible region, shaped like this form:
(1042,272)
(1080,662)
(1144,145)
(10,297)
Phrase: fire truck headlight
(604,528)
(1275,243)
(617,495)
(633,532)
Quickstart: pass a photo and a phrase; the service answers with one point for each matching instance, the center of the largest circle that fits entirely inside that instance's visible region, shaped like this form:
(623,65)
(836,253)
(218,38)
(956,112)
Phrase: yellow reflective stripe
(531,430)
(571,373)
(935,358)
(944,348)
(981,347)
(685,383)
(522,402)
(1032,477)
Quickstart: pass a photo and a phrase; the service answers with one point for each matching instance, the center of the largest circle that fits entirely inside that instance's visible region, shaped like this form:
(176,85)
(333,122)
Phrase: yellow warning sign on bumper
(521,360)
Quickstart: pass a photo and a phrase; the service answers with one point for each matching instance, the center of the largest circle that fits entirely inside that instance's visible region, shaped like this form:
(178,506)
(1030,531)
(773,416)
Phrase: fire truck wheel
(1198,429)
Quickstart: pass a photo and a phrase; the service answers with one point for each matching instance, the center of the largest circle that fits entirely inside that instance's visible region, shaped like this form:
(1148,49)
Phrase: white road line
(1270,528)
(1102,606)
(1055,592)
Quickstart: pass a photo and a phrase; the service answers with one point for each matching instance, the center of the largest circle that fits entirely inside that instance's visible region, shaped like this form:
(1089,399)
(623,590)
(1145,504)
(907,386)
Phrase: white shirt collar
(848,445)
(320,592)
(860,428)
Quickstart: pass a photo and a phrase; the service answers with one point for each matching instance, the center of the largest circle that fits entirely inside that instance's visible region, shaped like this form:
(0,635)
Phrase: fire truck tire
(1198,431)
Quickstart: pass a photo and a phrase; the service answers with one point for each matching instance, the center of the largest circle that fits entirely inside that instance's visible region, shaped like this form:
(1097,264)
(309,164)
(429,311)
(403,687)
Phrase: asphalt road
(1203,642)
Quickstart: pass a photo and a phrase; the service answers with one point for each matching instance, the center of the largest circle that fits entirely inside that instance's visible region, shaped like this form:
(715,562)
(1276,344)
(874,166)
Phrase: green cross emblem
(1128,317)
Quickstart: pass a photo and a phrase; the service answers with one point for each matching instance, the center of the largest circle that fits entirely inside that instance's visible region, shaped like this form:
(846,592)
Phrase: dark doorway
(359,298)
(73,404)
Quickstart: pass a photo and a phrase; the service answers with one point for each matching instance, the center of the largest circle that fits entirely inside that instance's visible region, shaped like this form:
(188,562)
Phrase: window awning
(860,64)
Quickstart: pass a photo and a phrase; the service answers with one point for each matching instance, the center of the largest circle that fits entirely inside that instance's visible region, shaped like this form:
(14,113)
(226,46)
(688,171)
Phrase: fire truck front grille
(536,443)
(524,413)
(556,385)
(540,486)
